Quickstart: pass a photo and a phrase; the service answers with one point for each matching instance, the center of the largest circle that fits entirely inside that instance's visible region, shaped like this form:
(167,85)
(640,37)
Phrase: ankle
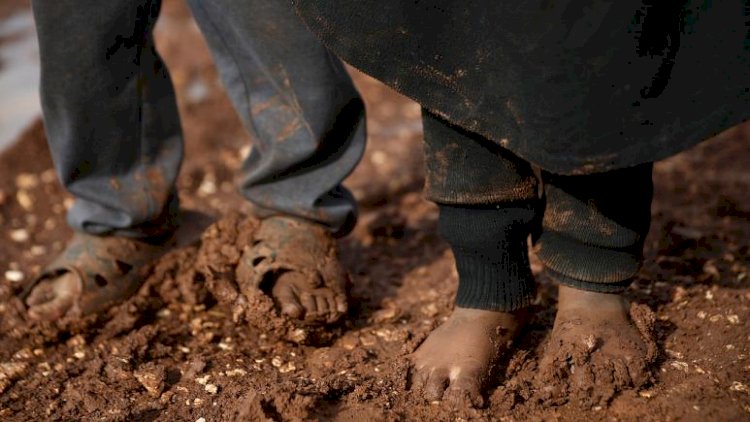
(571,298)
(511,320)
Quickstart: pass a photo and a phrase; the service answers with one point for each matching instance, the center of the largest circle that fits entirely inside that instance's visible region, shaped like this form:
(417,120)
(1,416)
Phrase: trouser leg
(488,203)
(298,102)
(110,114)
(594,227)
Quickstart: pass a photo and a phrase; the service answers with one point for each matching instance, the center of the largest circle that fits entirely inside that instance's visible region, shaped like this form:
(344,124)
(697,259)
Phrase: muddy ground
(171,353)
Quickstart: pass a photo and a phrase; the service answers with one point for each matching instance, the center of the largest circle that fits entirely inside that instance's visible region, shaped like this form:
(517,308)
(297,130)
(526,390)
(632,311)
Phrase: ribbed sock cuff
(490,248)
(616,287)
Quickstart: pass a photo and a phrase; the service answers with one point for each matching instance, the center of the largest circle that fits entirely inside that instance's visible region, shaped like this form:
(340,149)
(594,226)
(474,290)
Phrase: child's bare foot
(596,349)
(455,360)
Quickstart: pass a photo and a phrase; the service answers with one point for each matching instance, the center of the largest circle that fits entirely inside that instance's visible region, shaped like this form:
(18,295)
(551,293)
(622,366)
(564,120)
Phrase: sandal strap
(289,244)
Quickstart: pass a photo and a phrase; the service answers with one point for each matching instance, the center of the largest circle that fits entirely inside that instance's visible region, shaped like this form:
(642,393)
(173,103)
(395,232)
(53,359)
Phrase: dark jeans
(114,131)
(588,230)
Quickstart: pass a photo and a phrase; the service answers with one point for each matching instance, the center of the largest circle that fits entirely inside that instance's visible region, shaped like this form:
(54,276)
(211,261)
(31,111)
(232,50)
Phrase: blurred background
(19,70)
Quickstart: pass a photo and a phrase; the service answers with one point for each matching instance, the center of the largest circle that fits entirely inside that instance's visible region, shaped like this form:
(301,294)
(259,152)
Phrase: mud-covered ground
(171,353)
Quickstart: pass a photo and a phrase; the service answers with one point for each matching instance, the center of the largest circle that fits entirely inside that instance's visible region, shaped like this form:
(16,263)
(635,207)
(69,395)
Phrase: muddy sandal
(283,244)
(107,268)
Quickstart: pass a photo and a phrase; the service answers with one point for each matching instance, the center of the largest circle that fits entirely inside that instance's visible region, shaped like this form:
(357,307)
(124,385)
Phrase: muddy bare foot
(456,359)
(599,346)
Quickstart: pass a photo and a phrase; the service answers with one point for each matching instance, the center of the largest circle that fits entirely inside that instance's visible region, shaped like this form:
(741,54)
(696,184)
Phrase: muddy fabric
(466,168)
(114,132)
(594,227)
(488,199)
(588,230)
(574,86)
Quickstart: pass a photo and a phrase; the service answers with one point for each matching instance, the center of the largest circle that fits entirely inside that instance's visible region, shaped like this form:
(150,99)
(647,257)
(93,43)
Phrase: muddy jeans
(588,230)
(113,127)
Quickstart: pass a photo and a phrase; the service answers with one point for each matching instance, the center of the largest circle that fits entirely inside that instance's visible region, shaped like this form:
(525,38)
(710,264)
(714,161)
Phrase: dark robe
(574,86)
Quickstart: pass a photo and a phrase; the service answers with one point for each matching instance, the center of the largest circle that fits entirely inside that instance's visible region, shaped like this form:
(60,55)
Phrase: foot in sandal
(292,261)
(92,274)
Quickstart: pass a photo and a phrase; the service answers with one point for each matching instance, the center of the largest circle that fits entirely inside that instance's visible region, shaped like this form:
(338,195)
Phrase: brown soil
(8,7)
(173,353)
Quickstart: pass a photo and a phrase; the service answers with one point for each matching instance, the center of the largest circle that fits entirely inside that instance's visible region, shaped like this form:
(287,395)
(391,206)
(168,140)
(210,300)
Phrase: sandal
(283,244)
(107,268)
(241,260)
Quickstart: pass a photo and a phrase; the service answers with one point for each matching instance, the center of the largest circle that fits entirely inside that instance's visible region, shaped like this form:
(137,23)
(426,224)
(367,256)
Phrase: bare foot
(595,349)
(52,298)
(455,360)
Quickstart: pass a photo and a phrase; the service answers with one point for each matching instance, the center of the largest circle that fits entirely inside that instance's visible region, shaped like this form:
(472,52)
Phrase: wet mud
(175,352)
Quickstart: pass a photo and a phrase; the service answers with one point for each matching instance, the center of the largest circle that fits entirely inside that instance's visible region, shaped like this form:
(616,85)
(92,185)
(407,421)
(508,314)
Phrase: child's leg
(110,114)
(113,131)
(307,124)
(115,135)
(488,200)
(298,102)
(591,243)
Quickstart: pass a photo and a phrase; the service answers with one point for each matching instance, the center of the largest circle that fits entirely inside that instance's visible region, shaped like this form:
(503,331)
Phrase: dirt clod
(152,377)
